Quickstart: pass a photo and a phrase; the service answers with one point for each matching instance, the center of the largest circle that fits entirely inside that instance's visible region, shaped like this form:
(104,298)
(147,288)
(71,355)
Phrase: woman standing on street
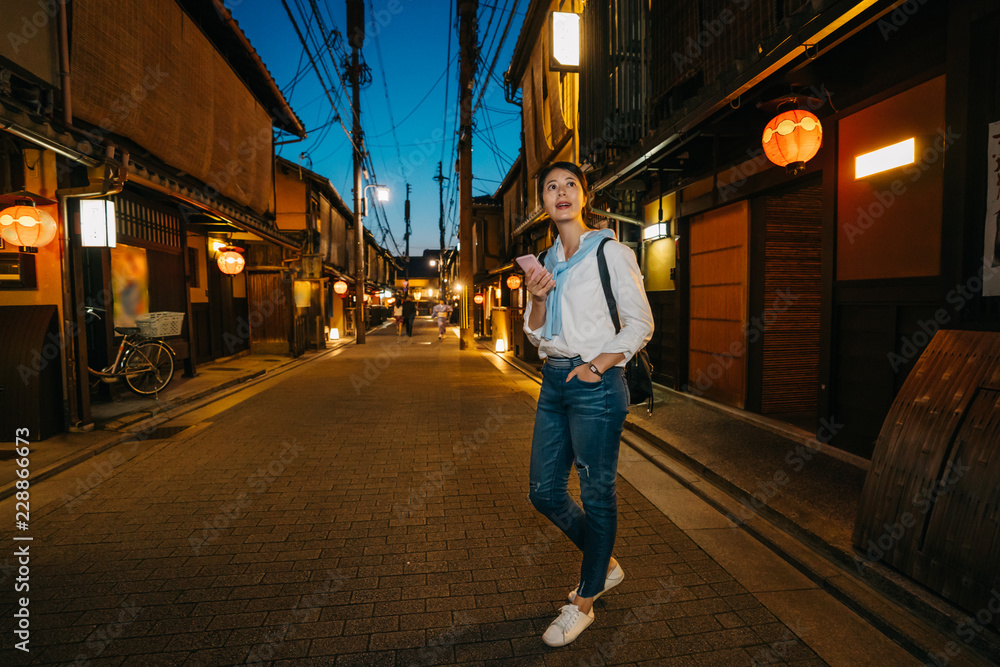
(397,314)
(584,399)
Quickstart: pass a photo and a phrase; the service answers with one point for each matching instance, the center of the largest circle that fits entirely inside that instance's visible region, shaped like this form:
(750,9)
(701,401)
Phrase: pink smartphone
(528,262)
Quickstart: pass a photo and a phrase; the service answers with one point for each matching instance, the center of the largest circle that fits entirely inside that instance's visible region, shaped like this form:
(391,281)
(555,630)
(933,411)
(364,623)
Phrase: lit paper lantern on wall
(340,287)
(792,138)
(513,281)
(231,260)
(27,227)
(479,298)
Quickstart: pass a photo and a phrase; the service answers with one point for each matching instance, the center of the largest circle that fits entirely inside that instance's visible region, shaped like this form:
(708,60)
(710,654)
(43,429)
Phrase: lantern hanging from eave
(792,138)
(27,226)
(513,281)
(340,287)
(231,260)
(479,298)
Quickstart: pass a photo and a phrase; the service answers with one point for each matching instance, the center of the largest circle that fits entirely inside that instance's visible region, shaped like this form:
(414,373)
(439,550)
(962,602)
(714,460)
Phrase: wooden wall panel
(718,265)
(890,226)
(716,301)
(269,304)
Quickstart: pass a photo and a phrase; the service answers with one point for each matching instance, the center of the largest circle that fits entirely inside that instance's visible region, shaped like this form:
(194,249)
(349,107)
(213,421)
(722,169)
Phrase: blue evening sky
(413,37)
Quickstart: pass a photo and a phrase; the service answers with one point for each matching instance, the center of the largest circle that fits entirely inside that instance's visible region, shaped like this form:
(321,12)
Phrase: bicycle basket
(160,325)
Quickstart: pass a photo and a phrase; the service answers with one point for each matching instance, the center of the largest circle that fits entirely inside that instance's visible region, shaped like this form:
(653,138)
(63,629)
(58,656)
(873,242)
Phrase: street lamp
(564,54)
(381,194)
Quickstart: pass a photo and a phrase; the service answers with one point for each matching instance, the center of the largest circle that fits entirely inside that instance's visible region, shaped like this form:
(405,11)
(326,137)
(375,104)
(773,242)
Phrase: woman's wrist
(606,360)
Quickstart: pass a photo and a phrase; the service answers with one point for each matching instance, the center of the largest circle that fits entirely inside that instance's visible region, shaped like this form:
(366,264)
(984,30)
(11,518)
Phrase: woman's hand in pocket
(584,374)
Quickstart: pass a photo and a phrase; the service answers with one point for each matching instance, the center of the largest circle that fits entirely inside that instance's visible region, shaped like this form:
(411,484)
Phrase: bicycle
(146,363)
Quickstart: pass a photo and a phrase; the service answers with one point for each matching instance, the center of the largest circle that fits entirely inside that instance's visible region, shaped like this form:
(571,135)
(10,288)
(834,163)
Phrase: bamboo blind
(792,262)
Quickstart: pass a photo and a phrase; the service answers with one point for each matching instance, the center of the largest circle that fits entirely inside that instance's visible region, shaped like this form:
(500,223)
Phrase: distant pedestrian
(409,314)
(584,399)
(442,312)
(397,314)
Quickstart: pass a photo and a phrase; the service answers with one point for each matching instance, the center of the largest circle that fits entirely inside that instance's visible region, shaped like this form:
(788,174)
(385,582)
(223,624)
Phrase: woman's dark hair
(568,166)
(588,219)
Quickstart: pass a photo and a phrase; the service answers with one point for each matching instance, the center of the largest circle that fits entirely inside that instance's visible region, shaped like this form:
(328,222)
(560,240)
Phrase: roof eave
(222,30)
(534,23)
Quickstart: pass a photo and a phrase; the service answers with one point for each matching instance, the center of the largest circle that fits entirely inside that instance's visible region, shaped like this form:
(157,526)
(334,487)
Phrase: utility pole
(440,178)
(406,237)
(356,37)
(467,48)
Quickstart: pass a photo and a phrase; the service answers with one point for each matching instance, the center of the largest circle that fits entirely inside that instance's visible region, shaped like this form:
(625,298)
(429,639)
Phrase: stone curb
(883,598)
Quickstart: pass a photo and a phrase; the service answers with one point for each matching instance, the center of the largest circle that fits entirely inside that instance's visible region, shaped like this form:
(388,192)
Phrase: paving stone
(391,536)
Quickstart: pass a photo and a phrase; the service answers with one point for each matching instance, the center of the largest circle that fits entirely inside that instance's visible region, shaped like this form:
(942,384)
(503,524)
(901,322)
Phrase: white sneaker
(615,577)
(568,626)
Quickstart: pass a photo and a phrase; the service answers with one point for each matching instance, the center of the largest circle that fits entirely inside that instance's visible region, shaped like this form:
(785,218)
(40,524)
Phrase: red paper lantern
(230,260)
(340,287)
(27,226)
(792,138)
(513,281)
(479,298)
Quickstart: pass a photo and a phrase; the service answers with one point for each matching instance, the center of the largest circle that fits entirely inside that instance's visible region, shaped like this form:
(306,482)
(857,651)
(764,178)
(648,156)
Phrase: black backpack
(638,369)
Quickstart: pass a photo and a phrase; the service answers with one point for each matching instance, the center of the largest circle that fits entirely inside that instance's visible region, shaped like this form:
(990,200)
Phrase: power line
(385,87)
(496,55)
(422,100)
(451,12)
(312,61)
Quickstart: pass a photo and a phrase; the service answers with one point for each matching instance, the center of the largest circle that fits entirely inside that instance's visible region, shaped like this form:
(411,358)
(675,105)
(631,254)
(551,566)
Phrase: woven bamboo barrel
(931,502)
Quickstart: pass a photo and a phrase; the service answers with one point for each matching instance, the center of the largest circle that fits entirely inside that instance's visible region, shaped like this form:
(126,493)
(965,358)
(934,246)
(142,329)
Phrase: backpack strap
(609,295)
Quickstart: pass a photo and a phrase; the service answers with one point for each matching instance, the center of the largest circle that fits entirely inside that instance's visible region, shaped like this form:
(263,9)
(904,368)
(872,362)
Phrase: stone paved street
(369,508)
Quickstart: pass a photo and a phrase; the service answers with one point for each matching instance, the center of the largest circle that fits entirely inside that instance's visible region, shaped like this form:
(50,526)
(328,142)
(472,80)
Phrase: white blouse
(587,329)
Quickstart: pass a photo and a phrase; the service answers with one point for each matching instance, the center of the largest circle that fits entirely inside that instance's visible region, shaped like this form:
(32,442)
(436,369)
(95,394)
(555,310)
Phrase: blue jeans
(580,423)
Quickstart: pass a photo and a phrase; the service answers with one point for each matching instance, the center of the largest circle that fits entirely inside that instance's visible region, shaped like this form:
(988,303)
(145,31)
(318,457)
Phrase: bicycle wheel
(149,368)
